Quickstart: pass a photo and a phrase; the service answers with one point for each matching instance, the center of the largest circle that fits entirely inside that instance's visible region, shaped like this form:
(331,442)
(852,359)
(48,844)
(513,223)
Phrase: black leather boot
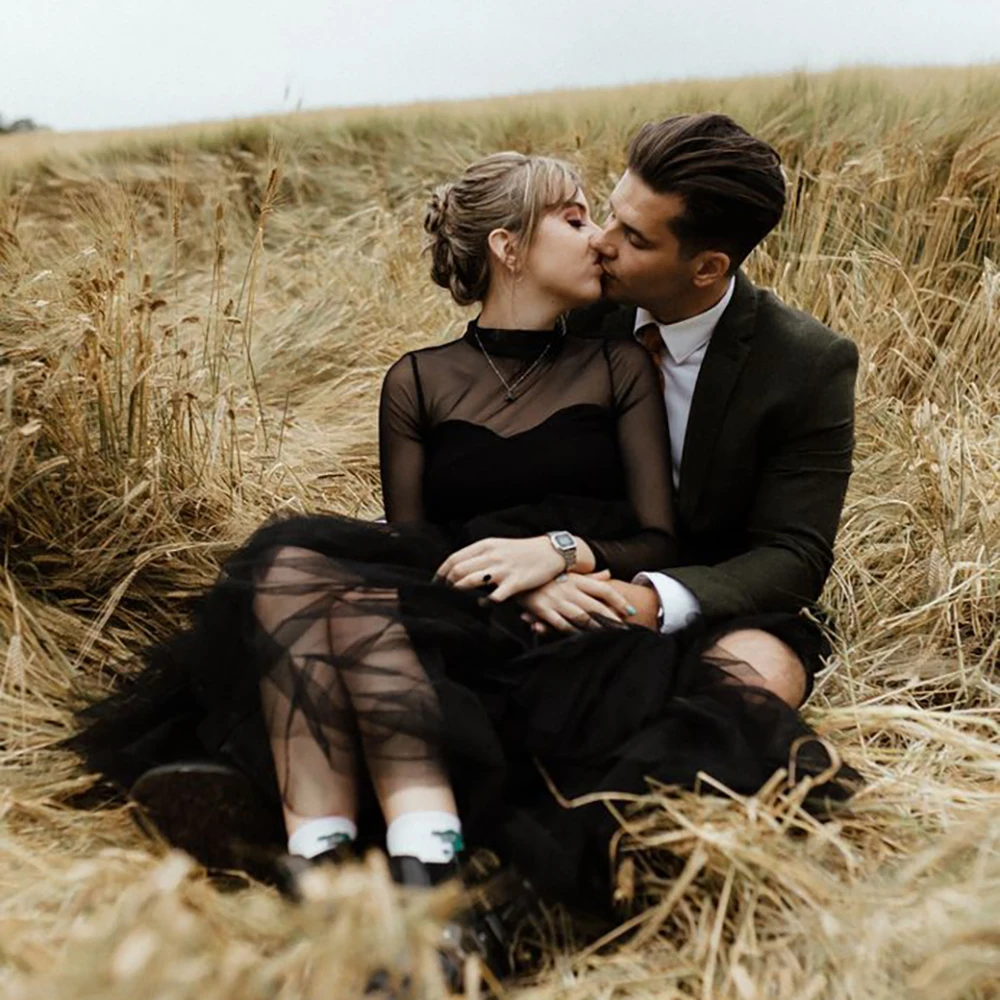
(416,874)
(484,928)
(213,812)
(407,870)
(289,868)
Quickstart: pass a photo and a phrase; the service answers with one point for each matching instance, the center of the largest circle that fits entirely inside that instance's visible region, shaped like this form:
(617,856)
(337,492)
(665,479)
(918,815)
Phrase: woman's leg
(316,757)
(316,766)
(407,773)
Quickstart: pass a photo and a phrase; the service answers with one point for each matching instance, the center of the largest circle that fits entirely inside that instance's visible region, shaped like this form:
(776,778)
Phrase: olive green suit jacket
(767,454)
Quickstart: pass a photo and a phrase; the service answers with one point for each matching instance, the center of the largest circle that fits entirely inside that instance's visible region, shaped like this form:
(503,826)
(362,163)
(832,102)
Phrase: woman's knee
(286,582)
(286,564)
(760,658)
(290,570)
(311,592)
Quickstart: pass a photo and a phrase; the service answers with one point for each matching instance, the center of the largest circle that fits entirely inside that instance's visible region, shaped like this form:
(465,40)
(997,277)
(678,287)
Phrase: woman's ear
(503,247)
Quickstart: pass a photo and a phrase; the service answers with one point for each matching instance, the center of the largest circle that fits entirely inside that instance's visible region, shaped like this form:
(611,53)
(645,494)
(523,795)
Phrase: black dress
(582,446)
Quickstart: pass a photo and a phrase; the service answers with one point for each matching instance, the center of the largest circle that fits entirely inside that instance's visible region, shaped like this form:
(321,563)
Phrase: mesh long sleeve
(401,444)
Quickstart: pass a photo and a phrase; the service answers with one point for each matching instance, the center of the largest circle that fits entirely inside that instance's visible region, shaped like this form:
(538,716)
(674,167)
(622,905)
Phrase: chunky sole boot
(289,868)
(485,928)
(407,870)
(213,812)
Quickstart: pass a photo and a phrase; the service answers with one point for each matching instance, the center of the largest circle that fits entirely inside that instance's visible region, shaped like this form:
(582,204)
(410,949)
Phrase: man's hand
(644,599)
(576,601)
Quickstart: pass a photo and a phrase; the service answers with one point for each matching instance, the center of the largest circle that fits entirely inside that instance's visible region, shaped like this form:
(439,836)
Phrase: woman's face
(560,261)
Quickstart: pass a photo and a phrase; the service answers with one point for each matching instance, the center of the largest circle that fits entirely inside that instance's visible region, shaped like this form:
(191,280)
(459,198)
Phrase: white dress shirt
(686,343)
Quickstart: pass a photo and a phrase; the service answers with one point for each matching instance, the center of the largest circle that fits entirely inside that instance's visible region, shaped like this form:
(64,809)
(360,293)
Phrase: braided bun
(445,265)
(437,209)
(503,191)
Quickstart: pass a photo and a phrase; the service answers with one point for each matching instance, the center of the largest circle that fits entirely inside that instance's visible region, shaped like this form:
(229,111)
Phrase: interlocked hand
(575,601)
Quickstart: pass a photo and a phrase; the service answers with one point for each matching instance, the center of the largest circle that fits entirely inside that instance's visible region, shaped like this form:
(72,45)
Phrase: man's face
(642,260)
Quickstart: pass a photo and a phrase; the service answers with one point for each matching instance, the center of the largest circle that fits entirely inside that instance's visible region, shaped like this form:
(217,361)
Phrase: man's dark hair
(731,182)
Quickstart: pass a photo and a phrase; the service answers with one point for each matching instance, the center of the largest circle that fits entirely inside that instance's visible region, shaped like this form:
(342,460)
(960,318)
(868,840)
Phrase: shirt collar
(683,338)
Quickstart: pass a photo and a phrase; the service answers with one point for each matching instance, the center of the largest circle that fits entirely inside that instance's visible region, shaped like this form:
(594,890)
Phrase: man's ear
(503,247)
(710,266)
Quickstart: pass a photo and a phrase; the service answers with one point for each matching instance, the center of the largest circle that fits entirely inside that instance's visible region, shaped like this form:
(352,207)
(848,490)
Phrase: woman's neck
(503,311)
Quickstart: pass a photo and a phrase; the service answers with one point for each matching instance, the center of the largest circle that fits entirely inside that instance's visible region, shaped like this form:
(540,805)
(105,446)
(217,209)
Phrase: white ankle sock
(318,835)
(433,837)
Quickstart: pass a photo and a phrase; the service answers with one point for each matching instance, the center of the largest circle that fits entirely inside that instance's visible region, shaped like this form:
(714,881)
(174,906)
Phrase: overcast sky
(78,64)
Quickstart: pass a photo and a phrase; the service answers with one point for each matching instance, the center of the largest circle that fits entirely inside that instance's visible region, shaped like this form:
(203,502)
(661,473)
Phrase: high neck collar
(524,344)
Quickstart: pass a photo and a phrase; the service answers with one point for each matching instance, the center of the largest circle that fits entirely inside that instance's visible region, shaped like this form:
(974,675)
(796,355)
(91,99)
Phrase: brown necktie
(649,337)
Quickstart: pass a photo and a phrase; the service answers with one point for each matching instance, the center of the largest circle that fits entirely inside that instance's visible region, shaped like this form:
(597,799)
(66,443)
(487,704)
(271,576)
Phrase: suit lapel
(724,359)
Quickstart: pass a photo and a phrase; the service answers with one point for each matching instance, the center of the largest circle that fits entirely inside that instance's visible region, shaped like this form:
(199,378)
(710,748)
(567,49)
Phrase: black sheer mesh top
(583,424)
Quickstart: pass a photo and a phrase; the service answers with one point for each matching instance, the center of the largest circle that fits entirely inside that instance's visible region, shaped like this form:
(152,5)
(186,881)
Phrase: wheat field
(194,324)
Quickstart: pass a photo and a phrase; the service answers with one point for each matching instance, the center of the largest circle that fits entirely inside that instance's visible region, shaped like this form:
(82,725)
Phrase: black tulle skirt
(361,644)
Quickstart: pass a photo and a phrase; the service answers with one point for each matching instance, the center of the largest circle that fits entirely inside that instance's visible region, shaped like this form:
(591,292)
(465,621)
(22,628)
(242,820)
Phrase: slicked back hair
(731,182)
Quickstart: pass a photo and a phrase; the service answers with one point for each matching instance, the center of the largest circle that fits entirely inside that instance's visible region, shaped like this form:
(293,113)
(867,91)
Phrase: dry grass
(193,329)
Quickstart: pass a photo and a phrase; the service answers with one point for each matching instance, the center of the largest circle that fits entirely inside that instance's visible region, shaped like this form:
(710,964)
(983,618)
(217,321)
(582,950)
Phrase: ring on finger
(487,577)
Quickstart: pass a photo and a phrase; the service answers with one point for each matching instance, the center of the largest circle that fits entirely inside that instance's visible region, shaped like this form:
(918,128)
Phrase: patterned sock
(431,836)
(321,834)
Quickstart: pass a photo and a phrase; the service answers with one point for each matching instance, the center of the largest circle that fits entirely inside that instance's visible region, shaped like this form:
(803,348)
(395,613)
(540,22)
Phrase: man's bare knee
(762,659)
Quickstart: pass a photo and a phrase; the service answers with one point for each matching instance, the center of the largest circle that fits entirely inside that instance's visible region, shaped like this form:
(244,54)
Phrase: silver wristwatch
(565,544)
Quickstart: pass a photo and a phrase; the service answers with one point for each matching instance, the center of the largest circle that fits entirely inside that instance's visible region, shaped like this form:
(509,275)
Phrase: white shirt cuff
(680,606)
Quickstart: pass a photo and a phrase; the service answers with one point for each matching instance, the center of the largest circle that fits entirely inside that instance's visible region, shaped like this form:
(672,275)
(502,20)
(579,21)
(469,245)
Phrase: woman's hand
(575,601)
(510,565)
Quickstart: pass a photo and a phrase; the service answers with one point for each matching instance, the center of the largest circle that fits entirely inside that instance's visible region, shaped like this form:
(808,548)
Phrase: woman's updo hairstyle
(509,191)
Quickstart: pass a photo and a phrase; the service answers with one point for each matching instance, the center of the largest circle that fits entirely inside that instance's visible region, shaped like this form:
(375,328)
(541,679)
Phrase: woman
(389,673)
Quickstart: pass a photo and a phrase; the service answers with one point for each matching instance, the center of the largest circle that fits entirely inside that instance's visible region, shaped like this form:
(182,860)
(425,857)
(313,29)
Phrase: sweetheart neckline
(529,430)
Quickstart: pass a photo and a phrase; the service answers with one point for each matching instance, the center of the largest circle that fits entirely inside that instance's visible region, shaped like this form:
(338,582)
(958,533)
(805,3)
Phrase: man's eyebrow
(625,226)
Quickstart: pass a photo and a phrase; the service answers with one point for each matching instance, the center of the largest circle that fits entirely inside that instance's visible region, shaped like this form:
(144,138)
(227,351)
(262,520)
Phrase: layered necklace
(510,387)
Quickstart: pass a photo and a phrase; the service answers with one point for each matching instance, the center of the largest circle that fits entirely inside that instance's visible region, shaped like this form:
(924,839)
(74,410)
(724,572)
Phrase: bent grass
(193,326)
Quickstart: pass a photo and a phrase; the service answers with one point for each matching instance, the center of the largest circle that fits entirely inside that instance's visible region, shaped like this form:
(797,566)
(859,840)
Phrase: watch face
(564,540)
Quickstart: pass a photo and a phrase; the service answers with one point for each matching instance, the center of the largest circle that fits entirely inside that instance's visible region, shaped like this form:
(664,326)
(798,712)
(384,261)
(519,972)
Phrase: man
(759,396)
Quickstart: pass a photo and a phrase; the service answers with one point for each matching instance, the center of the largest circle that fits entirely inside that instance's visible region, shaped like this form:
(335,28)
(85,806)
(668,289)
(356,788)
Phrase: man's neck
(699,301)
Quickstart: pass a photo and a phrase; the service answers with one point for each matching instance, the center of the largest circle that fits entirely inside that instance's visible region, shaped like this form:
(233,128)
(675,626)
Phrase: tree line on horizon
(18,125)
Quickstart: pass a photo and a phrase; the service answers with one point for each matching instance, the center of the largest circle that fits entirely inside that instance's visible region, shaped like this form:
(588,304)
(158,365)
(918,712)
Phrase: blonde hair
(507,190)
